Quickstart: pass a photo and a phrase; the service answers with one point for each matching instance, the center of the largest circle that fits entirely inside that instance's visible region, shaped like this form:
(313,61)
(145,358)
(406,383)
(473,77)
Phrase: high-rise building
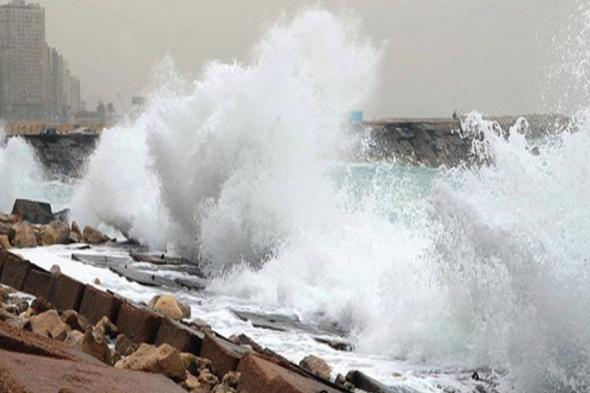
(23,70)
(35,80)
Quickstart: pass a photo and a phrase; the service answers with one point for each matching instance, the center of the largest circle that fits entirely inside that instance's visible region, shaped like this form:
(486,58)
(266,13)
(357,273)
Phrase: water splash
(462,267)
(235,159)
(21,175)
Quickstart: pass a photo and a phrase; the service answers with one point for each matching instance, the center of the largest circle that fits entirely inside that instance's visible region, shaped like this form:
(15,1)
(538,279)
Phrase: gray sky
(489,55)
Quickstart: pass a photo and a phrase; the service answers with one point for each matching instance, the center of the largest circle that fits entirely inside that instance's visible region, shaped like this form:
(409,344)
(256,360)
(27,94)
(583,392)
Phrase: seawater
(432,272)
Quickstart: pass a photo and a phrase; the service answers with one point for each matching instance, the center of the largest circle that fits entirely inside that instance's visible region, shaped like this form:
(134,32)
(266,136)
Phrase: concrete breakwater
(63,155)
(436,142)
(431,142)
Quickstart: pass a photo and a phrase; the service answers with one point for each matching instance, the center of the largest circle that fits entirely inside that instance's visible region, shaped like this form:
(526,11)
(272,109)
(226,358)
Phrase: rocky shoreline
(58,334)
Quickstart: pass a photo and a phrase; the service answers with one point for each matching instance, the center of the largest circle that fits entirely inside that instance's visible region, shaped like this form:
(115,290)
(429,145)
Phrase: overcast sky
(491,55)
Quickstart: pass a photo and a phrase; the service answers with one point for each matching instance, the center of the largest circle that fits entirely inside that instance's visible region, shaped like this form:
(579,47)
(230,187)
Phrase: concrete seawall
(261,370)
(431,142)
(63,155)
(435,142)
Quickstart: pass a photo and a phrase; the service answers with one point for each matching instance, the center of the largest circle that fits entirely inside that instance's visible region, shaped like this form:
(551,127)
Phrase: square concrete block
(140,325)
(37,282)
(179,336)
(259,375)
(224,355)
(14,271)
(96,304)
(65,293)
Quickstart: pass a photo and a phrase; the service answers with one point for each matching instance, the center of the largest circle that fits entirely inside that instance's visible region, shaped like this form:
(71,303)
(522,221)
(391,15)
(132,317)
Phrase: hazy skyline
(440,55)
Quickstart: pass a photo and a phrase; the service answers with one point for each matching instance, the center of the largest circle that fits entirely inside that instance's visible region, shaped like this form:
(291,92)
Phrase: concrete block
(37,282)
(224,355)
(14,271)
(96,304)
(259,375)
(179,336)
(138,324)
(65,293)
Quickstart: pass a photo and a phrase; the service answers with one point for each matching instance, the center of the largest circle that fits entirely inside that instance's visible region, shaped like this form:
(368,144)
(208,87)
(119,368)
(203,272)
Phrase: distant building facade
(35,80)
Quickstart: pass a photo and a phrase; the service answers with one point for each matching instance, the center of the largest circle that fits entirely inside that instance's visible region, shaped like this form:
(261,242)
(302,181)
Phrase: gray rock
(33,211)
(316,366)
(366,383)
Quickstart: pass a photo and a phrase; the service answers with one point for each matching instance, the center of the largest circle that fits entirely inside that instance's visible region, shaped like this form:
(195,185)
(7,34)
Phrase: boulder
(74,237)
(57,232)
(8,218)
(208,379)
(24,235)
(364,382)
(168,305)
(20,305)
(190,383)
(231,379)
(33,211)
(4,242)
(221,388)
(104,327)
(6,229)
(124,346)
(74,338)
(75,233)
(94,346)
(76,229)
(316,366)
(62,215)
(75,320)
(341,381)
(39,305)
(93,236)
(201,389)
(49,324)
(201,325)
(5,294)
(19,322)
(160,360)
(194,364)
(6,315)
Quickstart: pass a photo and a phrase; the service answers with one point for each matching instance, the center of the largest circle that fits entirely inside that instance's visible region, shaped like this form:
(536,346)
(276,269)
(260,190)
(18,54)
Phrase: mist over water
(249,167)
